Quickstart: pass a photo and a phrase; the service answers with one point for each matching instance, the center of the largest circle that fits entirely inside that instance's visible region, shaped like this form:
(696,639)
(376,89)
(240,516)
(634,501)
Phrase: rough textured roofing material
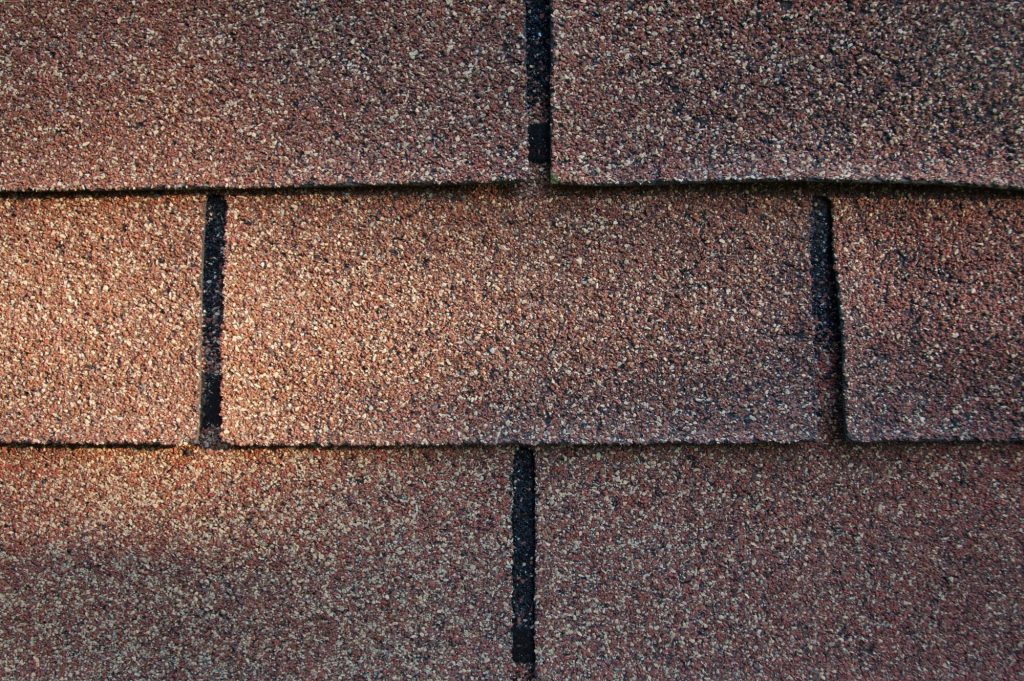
(836,89)
(120,564)
(796,562)
(101,319)
(519,315)
(469,301)
(258,93)
(932,293)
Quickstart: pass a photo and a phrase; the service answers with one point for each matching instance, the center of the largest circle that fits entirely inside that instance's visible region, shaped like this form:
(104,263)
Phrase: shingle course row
(515,314)
(788,561)
(267,94)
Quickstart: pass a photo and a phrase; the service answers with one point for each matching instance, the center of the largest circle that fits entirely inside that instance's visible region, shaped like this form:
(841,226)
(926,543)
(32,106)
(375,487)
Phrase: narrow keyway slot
(213,315)
(524,546)
(524,521)
(825,303)
(538,78)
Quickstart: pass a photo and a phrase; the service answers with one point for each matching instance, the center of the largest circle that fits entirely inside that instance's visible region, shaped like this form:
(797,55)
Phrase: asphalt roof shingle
(255,93)
(699,90)
(157,564)
(520,315)
(806,561)
(101,319)
(932,296)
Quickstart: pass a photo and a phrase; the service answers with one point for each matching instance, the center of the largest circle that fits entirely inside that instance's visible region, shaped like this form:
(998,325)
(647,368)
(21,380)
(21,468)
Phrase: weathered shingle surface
(519,315)
(794,562)
(389,257)
(258,93)
(932,293)
(101,319)
(119,564)
(836,89)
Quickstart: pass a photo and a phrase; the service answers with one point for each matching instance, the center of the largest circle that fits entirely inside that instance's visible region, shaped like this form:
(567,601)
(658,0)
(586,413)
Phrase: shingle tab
(246,93)
(932,293)
(700,90)
(519,315)
(121,564)
(799,562)
(101,319)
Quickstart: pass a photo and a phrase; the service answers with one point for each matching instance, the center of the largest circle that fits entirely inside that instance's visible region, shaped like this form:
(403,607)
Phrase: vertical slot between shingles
(213,316)
(524,547)
(538,78)
(828,333)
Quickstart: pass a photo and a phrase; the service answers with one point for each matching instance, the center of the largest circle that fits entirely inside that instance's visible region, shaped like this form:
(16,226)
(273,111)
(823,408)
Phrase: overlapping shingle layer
(519,315)
(120,564)
(258,94)
(701,90)
(506,308)
(101,319)
(797,562)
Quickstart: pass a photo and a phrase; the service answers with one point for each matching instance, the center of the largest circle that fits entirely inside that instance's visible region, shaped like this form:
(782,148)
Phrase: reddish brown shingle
(255,93)
(101,319)
(119,564)
(794,562)
(932,292)
(837,89)
(498,315)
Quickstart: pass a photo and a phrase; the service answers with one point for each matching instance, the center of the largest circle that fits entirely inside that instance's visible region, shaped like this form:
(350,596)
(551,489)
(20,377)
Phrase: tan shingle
(121,564)
(519,315)
(799,562)
(258,93)
(697,90)
(932,295)
(101,319)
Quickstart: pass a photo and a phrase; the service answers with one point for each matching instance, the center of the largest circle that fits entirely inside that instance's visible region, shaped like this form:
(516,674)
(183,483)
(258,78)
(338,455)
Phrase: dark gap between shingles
(538,78)
(213,316)
(524,522)
(540,143)
(828,331)
(524,547)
